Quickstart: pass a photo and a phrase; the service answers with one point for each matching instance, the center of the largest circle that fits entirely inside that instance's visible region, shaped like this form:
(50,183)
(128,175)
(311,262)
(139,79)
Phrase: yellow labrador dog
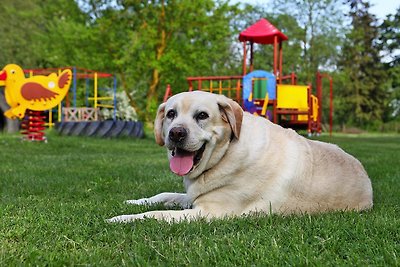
(234,163)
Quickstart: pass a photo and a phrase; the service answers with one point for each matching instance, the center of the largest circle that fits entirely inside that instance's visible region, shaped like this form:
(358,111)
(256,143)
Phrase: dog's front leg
(170,216)
(168,199)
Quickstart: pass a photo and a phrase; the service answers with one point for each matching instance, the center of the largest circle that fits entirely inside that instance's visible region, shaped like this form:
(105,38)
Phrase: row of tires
(109,128)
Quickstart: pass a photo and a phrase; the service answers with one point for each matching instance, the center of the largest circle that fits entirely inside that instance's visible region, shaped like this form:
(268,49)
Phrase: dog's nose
(177,134)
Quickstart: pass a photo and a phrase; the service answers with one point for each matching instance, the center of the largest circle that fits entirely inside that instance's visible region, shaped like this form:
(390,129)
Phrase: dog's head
(197,127)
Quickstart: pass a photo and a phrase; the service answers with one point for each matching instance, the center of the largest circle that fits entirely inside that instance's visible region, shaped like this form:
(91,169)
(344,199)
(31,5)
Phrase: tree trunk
(311,43)
(132,102)
(152,94)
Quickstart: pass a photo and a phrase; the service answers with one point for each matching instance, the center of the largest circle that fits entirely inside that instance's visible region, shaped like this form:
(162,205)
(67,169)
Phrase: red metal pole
(275,115)
(319,96)
(275,70)
(244,58)
(309,110)
(275,55)
(319,85)
(280,61)
(251,56)
(330,105)
(168,93)
(190,86)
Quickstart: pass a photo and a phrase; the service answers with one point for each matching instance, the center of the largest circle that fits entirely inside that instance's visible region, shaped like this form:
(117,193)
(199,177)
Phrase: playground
(273,95)
(55,196)
(44,99)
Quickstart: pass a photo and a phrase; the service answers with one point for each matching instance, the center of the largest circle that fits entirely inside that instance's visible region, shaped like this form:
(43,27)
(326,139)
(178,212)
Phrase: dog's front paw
(142,201)
(125,218)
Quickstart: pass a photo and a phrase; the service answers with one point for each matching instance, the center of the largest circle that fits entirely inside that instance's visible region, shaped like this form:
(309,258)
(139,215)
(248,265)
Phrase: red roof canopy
(261,32)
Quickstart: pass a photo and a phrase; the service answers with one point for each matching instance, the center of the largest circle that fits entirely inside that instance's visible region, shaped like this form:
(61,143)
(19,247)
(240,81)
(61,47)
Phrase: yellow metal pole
(50,119)
(265,105)
(59,112)
(95,90)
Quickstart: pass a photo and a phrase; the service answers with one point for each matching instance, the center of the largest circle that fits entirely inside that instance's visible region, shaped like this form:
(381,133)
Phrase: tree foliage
(389,43)
(363,94)
(150,44)
(20,24)
(319,32)
(160,42)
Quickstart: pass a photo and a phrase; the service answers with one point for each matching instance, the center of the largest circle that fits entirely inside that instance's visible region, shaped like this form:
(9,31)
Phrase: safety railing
(230,86)
(81,114)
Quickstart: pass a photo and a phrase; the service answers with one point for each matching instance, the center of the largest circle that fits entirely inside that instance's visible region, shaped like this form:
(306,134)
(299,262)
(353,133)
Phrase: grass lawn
(55,197)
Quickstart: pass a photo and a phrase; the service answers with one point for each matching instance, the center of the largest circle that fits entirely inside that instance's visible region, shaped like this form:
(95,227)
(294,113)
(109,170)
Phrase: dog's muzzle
(182,161)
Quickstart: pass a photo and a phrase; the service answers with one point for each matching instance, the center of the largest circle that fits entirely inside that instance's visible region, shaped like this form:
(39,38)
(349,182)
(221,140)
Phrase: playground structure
(86,120)
(273,95)
(70,110)
(32,95)
(76,117)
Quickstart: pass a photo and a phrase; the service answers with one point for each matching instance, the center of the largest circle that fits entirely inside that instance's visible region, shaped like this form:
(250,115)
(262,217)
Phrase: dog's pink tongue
(181,164)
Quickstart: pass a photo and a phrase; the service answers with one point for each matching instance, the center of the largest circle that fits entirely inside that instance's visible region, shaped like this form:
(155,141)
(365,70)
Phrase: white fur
(265,168)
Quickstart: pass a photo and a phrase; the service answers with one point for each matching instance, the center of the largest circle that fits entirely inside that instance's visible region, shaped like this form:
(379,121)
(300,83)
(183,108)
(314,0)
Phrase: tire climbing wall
(107,129)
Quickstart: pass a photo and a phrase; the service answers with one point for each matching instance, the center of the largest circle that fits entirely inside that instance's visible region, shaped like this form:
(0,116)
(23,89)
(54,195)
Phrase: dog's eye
(171,114)
(202,116)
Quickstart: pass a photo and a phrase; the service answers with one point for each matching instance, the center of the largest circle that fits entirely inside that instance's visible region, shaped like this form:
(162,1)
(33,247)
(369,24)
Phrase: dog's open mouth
(183,161)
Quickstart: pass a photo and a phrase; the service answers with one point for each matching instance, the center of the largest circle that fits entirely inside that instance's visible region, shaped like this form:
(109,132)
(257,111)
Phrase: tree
(363,95)
(164,42)
(319,32)
(389,39)
(20,21)
(389,42)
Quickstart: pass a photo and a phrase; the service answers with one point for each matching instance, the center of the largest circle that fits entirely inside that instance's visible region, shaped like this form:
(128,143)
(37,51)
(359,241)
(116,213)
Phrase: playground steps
(107,129)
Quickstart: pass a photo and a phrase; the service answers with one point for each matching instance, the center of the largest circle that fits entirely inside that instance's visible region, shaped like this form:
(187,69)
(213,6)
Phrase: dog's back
(275,169)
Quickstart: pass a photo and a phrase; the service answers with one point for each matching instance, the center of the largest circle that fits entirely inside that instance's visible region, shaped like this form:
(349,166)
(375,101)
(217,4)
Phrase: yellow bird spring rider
(33,95)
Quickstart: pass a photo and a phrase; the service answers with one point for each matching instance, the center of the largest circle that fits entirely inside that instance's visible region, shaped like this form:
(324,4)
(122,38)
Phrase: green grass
(55,197)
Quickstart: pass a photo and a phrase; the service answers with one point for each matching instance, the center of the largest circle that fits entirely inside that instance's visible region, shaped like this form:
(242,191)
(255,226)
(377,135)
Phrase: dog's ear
(232,113)
(158,125)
